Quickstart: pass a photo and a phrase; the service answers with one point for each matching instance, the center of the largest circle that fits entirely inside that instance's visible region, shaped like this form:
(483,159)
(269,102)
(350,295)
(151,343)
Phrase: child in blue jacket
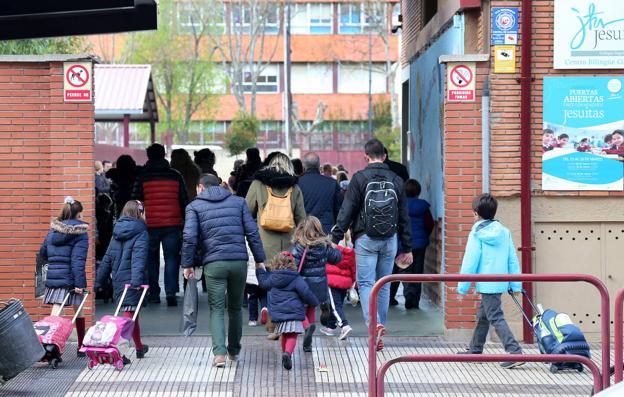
(288,293)
(490,250)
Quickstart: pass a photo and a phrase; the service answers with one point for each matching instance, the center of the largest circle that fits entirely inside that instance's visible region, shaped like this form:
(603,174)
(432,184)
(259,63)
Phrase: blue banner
(583,133)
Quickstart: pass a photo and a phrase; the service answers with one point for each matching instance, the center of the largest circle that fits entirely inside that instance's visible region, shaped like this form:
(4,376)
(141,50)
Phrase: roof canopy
(32,19)
(124,90)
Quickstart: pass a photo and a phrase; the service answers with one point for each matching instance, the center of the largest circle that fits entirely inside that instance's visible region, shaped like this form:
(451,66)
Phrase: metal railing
(376,377)
(619,335)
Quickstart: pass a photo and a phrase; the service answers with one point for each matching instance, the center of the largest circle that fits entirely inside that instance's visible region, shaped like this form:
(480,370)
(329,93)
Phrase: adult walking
(375,224)
(321,194)
(162,190)
(245,175)
(395,167)
(217,224)
(277,181)
(181,161)
(122,179)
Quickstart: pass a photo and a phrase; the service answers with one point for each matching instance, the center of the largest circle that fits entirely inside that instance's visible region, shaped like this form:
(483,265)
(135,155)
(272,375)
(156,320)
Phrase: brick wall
(462,170)
(46,153)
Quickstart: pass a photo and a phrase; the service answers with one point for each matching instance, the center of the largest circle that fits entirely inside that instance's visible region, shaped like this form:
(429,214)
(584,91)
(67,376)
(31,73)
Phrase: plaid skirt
(289,327)
(55,296)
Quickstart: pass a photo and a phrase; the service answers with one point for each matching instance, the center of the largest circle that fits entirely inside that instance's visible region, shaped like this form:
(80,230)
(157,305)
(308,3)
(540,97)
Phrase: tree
(245,49)
(242,134)
(383,129)
(183,71)
(64,45)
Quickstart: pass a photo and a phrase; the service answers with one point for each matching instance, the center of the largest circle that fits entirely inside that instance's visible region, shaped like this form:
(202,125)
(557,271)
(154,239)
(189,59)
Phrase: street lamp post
(287,80)
(370,78)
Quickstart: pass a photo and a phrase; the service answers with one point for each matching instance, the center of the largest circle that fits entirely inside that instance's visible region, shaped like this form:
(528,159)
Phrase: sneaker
(219,362)
(467,351)
(307,338)
(253,323)
(287,361)
(264,315)
(126,360)
(140,353)
(328,331)
(393,302)
(511,364)
(345,331)
(381,331)
(172,301)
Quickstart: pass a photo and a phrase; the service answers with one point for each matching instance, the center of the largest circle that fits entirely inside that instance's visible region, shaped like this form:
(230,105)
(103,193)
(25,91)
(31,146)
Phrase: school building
(481,82)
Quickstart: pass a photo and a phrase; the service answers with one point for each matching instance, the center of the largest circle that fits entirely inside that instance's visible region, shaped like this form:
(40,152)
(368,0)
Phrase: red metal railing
(376,377)
(617,345)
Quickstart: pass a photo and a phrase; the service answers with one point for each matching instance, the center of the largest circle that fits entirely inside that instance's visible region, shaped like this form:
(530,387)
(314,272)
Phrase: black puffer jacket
(65,249)
(218,223)
(126,258)
(313,269)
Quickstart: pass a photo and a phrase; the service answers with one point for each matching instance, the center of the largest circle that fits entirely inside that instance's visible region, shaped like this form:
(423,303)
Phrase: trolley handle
(85,294)
(123,296)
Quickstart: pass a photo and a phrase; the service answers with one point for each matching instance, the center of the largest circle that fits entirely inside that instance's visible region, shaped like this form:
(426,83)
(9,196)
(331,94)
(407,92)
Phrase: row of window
(306,18)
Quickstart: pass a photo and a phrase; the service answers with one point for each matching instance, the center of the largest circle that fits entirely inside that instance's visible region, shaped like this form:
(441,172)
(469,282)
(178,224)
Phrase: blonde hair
(99,167)
(281,163)
(310,232)
(283,261)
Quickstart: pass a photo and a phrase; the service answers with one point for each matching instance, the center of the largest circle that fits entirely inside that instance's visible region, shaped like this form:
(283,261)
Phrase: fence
(376,377)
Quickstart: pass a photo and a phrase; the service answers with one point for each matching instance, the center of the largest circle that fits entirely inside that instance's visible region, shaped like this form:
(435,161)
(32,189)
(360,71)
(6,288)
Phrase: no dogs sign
(460,81)
(78,81)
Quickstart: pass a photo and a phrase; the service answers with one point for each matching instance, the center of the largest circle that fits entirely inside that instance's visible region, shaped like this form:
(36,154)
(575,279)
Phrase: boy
(490,250)
(547,140)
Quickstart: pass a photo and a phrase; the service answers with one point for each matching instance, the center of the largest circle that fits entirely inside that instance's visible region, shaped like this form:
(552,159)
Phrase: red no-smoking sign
(461,82)
(78,84)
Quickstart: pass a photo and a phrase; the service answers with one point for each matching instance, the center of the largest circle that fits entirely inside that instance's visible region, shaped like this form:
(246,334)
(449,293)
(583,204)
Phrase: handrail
(373,375)
(617,345)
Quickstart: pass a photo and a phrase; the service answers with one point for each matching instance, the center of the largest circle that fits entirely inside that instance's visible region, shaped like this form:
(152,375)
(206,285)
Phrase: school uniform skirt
(289,327)
(56,296)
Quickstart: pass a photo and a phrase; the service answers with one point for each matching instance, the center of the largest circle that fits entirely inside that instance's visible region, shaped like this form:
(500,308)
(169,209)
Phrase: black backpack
(381,207)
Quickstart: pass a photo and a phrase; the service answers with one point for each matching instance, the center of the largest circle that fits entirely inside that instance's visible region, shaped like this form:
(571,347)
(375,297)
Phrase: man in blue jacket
(321,194)
(217,224)
(490,250)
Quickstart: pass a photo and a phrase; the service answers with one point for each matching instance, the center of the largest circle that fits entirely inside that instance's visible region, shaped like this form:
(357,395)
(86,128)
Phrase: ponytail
(70,209)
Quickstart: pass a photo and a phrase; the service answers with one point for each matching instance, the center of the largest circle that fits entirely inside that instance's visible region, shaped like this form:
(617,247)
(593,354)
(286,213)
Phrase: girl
(126,258)
(313,245)
(65,250)
(288,293)
(340,277)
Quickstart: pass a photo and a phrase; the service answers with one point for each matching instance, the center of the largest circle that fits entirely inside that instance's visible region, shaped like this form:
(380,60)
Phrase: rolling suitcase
(53,332)
(556,334)
(109,339)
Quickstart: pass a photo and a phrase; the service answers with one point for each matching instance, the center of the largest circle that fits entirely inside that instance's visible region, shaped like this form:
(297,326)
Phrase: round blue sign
(505,20)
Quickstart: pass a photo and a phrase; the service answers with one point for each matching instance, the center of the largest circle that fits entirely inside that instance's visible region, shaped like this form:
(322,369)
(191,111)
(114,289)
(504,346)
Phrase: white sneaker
(253,323)
(345,331)
(328,331)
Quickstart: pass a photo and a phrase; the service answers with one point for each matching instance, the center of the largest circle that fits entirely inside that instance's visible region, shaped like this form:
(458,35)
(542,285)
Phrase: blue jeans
(374,258)
(170,238)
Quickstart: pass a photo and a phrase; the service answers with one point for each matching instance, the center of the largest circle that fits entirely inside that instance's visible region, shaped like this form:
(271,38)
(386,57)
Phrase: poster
(460,81)
(583,133)
(589,34)
(504,25)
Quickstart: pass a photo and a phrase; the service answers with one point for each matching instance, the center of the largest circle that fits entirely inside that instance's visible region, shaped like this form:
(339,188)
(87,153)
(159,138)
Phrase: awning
(28,19)
(124,90)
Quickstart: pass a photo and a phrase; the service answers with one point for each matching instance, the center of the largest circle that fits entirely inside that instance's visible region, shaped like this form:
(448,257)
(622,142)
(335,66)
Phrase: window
(353,79)
(190,18)
(312,78)
(267,80)
(312,18)
(263,14)
(355,18)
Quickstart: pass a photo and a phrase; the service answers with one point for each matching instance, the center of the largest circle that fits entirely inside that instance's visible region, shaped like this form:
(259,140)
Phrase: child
(548,136)
(584,146)
(288,293)
(65,250)
(562,141)
(617,143)
(313,245)
(490,250)
(126,258)
(340,278)
(255,294)
(422,225)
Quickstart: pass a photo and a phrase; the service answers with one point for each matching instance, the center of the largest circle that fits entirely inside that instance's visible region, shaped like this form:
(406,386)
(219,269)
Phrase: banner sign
(504,25)
(589,34)
(583,135)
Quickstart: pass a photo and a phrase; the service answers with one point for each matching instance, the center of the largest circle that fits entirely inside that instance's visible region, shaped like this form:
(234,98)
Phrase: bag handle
(85,294)
(287,195)
(305,252)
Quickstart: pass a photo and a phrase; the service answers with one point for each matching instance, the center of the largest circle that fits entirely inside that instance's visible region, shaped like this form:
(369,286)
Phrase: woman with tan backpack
(276,201)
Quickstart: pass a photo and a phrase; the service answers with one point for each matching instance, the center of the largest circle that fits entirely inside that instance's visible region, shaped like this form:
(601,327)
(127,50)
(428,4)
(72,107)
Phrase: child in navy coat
(288,292)
(126,258)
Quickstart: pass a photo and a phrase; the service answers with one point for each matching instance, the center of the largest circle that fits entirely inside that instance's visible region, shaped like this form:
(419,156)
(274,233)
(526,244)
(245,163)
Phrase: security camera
(397,23)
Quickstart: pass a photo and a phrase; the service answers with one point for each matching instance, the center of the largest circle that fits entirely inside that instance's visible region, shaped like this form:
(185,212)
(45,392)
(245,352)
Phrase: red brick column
(46,153)
(462,182)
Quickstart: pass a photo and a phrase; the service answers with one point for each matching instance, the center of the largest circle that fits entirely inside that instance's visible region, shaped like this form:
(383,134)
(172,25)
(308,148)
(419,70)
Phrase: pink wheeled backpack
(108,340)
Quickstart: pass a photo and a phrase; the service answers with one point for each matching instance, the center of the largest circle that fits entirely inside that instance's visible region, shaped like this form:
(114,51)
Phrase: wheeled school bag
(556,334)
(109,339)
(53,332)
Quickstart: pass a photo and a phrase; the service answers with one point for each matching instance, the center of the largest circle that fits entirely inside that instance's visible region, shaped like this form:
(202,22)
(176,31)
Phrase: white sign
(589,34)
(460,82)
(78,81)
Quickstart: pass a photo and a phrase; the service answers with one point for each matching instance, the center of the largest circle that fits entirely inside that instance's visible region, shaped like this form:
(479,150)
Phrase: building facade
(533,134)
